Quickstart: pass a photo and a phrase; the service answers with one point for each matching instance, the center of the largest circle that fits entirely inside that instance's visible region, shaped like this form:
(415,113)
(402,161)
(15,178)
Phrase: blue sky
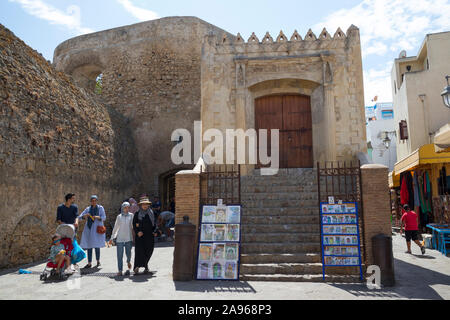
(387,26)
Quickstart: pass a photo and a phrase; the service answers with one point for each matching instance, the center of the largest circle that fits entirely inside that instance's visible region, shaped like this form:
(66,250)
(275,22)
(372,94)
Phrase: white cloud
(70,19)
(377,83)
(388,26)
(139,13)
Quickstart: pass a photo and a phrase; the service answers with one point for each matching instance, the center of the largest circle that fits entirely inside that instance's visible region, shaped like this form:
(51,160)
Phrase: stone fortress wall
(151,75)
(54,139)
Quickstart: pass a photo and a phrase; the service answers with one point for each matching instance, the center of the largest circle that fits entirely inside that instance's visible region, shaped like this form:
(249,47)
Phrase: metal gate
(342,180)
(220,182)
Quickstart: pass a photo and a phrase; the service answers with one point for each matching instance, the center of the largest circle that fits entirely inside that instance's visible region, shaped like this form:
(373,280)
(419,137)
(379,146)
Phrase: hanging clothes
(416,190)
(404,194)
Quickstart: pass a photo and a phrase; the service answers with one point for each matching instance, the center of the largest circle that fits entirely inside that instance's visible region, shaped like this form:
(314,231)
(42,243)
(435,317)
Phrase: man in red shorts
(411,222)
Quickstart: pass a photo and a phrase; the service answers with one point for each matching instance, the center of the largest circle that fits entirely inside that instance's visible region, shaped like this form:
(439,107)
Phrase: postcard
(219,233)
(219,251)
(233,214)
(203,271)
(207,232)
(232,232)
(232,251)
(205,252)
(209,214)
(230,270)
(221,214)
(217,270)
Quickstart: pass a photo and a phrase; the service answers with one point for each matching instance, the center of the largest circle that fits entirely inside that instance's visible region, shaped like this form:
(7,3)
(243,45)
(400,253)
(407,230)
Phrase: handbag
(101,229)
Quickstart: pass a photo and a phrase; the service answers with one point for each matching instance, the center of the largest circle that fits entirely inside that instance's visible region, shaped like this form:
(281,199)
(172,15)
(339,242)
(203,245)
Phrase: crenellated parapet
(324,40)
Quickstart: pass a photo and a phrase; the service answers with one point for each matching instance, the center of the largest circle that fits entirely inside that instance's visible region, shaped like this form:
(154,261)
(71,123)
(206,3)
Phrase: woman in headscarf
(91,238)
(123,234)
(133,206)
(144,228)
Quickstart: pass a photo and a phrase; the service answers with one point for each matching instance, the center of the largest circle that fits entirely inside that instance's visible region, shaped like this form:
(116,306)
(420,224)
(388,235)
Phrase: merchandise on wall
(219,244)
(340,236)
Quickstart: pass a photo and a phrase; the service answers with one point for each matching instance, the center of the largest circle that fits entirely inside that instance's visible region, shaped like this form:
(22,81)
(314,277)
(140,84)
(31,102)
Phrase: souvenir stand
(340,236)
(219,242)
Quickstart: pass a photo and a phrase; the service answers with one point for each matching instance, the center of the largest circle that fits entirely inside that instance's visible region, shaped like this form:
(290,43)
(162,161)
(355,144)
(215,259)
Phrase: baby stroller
(67,233)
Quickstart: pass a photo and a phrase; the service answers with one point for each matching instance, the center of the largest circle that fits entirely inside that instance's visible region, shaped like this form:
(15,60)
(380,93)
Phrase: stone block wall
(151,75)
(376,201)
(54,139)
(187,199)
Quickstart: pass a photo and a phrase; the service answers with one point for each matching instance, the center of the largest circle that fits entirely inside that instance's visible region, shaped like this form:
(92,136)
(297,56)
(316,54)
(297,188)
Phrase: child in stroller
(60,256)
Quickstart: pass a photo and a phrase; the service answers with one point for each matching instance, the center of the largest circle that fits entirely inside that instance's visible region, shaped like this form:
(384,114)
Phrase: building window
(403,129)
(387,114)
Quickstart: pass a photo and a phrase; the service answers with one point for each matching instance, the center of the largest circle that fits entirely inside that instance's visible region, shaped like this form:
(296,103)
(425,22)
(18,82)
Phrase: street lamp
(387,142)
(446,93)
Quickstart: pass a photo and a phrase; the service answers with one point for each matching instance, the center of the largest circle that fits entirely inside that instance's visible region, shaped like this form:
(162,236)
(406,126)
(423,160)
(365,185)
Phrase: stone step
(279,182)
(245,197)
(285,219)
(255,258)
(292,172)
(249,188)
(306,247)
(278,228)
(300,278)
(282,268)
(276,204)
(302,211)
(287,238)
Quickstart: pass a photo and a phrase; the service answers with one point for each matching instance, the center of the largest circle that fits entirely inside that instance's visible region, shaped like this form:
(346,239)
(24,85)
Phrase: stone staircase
(281,228)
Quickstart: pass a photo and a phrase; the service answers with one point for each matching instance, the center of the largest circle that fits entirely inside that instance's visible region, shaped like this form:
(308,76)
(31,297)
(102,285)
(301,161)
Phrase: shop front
(422,180)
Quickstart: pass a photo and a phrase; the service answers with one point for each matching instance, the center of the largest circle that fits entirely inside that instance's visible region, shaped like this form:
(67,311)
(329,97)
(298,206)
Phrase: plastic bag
(78,254)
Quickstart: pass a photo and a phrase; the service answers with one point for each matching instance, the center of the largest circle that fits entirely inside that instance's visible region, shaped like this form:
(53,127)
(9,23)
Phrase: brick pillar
(376,203)
(187,201)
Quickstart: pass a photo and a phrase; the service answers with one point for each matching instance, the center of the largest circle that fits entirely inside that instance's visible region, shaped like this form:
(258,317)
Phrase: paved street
(417,277)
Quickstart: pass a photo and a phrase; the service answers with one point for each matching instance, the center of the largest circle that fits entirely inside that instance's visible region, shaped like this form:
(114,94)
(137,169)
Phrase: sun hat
(144,200)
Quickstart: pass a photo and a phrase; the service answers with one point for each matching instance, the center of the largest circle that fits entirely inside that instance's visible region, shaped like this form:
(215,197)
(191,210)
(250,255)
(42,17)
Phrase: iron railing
(342,180)
(220,182)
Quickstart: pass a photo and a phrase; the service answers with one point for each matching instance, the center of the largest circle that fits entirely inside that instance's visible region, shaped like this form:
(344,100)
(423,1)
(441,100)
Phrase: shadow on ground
(411,282)
(215,286)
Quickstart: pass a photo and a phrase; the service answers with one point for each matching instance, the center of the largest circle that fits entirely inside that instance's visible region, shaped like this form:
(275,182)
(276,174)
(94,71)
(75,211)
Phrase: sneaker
(98,264)
(127,273)
(422,249)
(88,266)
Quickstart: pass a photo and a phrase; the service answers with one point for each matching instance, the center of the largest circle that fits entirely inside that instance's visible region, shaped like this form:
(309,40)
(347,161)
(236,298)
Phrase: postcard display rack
(219,243)
(340,236)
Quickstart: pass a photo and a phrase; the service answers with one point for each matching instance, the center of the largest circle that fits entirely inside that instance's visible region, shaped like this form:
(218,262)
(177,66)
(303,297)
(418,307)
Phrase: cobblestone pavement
(417,277)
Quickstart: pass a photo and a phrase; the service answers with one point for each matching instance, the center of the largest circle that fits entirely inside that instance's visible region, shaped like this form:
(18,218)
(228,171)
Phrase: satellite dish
(402,54)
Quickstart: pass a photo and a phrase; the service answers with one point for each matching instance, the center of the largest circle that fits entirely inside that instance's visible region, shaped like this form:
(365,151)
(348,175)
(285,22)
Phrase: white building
(381,134)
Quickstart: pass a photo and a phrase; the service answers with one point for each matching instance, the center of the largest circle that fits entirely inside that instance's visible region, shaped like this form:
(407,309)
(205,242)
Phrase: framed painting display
(340,238)
(219,243)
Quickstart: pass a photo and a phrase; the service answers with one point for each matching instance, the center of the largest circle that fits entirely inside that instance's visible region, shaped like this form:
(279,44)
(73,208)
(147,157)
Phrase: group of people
(136,224)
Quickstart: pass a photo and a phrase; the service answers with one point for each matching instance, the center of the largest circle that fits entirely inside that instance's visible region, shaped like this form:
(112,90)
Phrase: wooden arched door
(291,114)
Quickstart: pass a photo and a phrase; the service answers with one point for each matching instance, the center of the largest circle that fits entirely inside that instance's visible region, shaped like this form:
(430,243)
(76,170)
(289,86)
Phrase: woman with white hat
(144,228)
(123,234)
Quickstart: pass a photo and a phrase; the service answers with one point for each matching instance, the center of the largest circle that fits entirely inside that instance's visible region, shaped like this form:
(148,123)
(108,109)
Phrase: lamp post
(446,93)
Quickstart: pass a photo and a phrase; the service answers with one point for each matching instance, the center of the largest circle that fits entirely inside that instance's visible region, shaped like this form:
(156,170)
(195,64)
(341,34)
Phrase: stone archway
(167,187)
(29,241)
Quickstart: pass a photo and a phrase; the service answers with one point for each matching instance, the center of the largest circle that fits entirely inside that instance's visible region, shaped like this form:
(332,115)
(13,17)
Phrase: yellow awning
(394,180)
(425,155)
(442,139)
